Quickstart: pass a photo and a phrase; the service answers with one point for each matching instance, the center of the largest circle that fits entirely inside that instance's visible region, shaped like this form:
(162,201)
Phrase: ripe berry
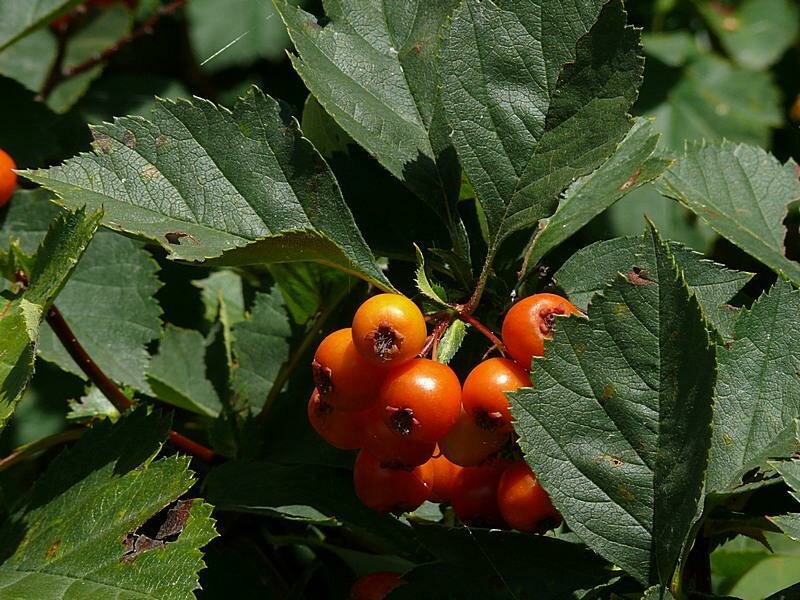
(420,400)
(475,494)
(468,445)
(444,477)
(343,430)
(523,502)
(484,392)
(389,329)
(342,376)
(529,322)
(375,586)
(391,490)
(390,448)
(8,179)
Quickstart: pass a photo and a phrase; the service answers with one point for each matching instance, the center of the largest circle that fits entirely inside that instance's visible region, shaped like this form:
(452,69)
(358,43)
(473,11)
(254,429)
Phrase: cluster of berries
(420,435)
(8,179)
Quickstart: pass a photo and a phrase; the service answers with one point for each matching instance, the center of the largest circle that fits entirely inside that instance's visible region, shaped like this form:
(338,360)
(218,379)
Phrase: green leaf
(714,100)
(673,48)
(634,163)
(268,488)
(758,389)
(658,592)
(177,374)
(93,405)
(102,31)
(77,534)
(224,300)
(179,178)
(790,471)
(750,571)
(789,524)
(30,59)
(451,341)
(537,94)
(589,270)
(373,69)
(743,192)
(618,424)
(59,252)
(261,346)
(309,288)
(319,127)
(787,594)
(423,283)
(757,32)
(506,564)
(246,31)
(21,17)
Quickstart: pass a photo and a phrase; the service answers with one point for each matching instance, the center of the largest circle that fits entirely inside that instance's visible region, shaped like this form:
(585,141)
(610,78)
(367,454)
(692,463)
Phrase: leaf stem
(31,448)
(432,341)
(488,333)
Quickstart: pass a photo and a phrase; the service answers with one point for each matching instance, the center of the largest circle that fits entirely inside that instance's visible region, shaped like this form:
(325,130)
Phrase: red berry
(523,502)
(529,322)
(391,490)
(484,392)
(343,378)
(475,494)
(343,430)
(468,445)
(389,447)
(8,179)
(389,330)
(375,586)
(420,400)
(444,477)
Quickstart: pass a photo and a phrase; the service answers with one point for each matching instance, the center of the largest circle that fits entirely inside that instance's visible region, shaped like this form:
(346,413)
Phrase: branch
(58,74)
(496,341)
(108,387)
(27,450)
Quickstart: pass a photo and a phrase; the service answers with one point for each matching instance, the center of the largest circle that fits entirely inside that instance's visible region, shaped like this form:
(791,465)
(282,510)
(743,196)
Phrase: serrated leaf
(177,374)
(93,405)
(758,389)
(755,33)
(789,524)
(246,31)
(57,548)
(21,17)
(423,284)
(587,272)
(180,178)
(618,424)
(634,163)
(790,471)
(373,68)
(743,192)
(714,100)
(224,300)
(319,127)
(261,346)
(19,328)
(451,341)
(537,94)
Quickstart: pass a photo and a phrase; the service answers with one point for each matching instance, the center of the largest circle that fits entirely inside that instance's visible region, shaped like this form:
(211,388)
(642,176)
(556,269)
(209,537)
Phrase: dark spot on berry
(323,409)
(386,341)
(402,420)
(323,378)
(489,421)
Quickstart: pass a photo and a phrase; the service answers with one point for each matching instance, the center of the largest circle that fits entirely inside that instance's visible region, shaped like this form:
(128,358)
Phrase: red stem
(432,341)
(496,341)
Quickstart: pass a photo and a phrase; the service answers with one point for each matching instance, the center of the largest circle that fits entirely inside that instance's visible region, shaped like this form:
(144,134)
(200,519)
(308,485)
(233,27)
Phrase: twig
(54,75)
(58,73)
(108,387)
(432,341)
(39,445)
(496,341)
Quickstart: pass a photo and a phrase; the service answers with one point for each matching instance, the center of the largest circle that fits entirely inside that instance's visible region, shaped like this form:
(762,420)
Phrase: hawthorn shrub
(399,299)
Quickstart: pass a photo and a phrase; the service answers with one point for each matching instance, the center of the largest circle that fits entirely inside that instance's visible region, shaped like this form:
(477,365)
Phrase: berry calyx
(387,490)
(484,391)
(8,179)
(389,330)
(342,377)
(375,586)
(420,400)
(529,322)
(468,445)
(444,478)
(341,429)
(523,502)
(475,494)
(388,447)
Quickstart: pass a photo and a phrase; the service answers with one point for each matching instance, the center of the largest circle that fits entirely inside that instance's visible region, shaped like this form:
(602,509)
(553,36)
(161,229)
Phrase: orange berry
(484,392)
(342,376)
(8,179)
(389,329)
(375,586)
(468,445)
(523,502)
(475,494)
(386,489)
(389,447)
(444,477)
(343,430)
(420,400)
(529,322)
